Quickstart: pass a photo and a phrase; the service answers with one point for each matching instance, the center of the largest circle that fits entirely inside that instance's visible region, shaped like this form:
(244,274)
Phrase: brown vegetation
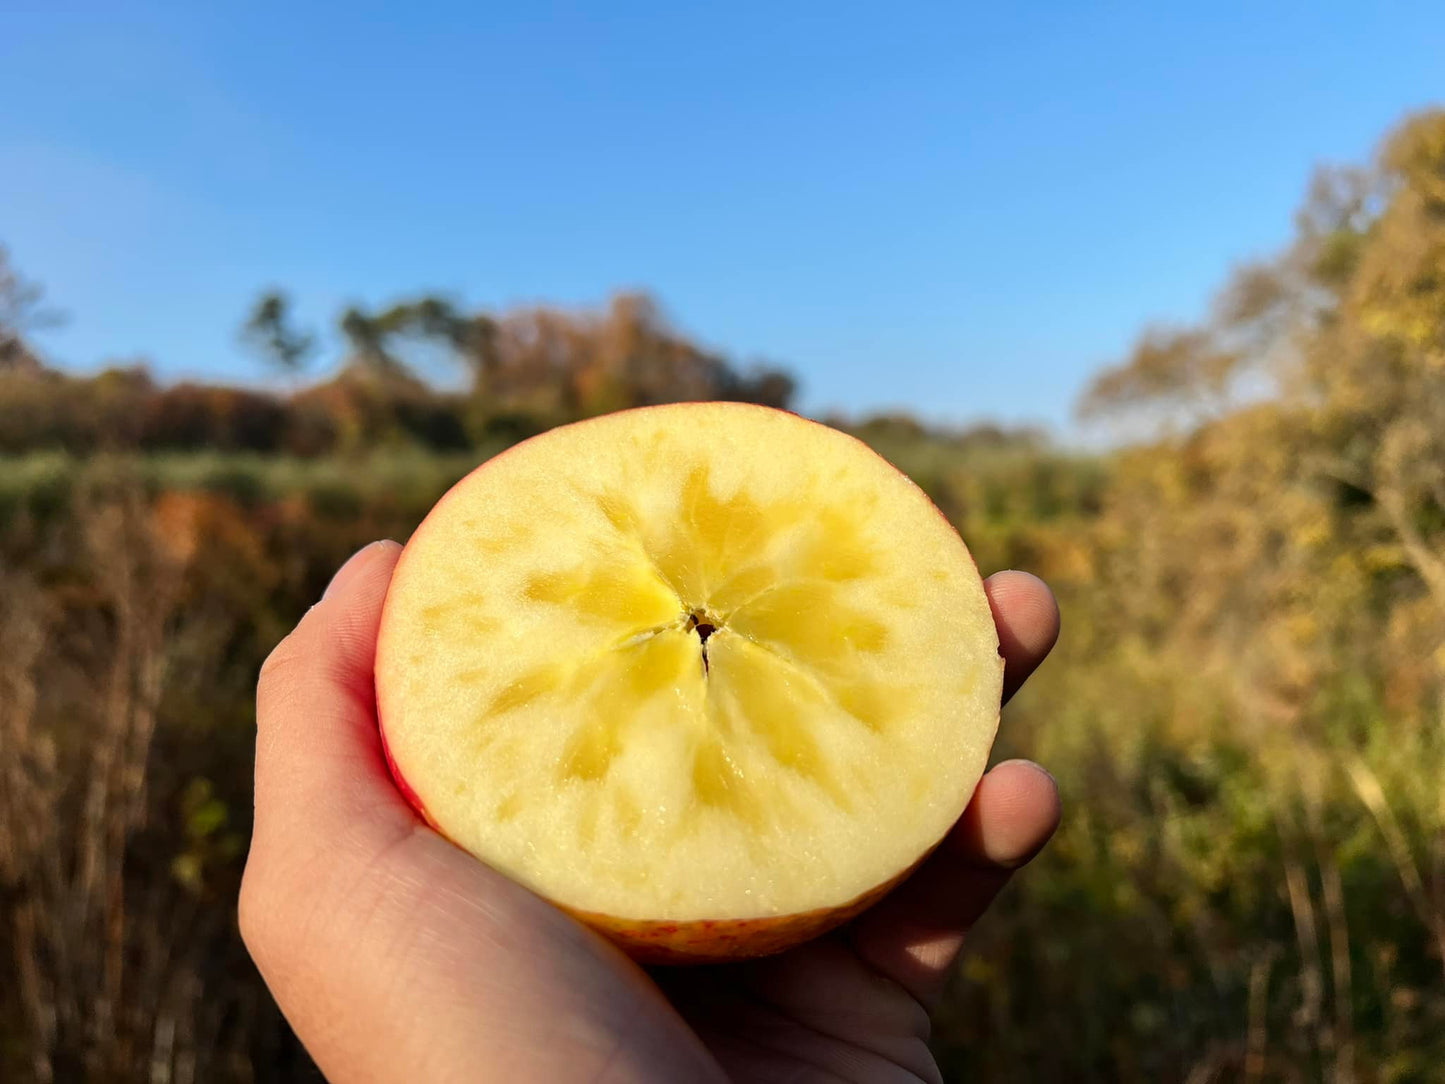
(1246,713)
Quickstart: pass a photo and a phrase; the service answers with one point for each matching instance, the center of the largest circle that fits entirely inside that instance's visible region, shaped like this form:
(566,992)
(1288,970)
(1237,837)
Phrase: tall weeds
(112,954)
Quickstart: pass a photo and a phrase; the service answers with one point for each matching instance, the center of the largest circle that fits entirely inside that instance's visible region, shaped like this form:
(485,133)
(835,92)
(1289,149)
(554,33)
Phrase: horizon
(959,216)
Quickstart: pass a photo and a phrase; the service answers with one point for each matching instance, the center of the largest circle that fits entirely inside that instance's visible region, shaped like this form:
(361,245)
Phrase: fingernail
(1035,765)
(354,564)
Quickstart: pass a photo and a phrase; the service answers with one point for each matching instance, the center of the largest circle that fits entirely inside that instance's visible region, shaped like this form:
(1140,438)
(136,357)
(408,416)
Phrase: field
(1246,711)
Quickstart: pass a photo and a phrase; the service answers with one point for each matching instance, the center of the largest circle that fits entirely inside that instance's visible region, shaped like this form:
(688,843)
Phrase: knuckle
(267,917)
(283,665)
(282,658)
(252,911)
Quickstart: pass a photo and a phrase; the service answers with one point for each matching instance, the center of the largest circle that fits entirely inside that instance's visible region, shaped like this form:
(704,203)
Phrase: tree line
(522,371)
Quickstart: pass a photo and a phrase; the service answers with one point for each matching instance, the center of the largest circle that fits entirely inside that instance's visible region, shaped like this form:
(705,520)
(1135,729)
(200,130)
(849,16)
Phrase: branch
(1429,564)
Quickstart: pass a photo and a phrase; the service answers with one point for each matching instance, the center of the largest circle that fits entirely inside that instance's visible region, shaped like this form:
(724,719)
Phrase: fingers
(394,955)
(320,774)
(1027,617)
(915,934)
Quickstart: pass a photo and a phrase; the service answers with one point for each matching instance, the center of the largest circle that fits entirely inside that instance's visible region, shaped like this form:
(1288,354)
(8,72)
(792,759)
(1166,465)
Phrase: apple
(709,676)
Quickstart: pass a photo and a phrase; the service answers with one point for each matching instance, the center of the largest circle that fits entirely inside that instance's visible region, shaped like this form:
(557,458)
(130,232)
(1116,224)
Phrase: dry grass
(1250,883)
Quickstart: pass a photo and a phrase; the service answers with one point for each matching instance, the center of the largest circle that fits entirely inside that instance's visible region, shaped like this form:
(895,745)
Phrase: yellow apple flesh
(709,676)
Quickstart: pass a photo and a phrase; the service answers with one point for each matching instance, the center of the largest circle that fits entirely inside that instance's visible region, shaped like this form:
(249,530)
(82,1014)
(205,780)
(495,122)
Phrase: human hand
(398,957)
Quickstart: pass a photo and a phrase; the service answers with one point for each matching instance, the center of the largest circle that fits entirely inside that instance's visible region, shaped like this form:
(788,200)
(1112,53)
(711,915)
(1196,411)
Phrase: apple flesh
(709,676)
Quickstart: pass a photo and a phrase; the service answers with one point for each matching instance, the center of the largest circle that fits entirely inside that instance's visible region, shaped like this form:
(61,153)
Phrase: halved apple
(709,676)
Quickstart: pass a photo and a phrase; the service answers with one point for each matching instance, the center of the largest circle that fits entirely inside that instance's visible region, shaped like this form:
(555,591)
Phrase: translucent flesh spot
(766,583)
(719,782)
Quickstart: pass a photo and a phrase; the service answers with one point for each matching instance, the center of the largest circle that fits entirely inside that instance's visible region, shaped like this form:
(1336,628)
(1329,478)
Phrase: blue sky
(961,209)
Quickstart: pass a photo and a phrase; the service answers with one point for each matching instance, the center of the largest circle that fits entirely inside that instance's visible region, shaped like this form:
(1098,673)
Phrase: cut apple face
(709,676)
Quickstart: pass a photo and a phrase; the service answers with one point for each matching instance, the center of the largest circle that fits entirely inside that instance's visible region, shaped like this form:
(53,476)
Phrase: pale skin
(397,957)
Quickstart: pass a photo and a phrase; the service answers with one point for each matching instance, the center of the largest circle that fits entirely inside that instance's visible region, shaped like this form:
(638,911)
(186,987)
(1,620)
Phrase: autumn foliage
(1246,712)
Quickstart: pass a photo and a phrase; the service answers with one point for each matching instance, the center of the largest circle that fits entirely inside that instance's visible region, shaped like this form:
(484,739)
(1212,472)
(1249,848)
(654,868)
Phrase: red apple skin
(413,799)
(716,941)
(700,941)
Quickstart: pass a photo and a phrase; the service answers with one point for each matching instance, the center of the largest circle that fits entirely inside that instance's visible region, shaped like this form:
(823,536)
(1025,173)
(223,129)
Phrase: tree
(551,362)
(365,342)
(269,331)
(1378,367)
(1346,331)
(21,313)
